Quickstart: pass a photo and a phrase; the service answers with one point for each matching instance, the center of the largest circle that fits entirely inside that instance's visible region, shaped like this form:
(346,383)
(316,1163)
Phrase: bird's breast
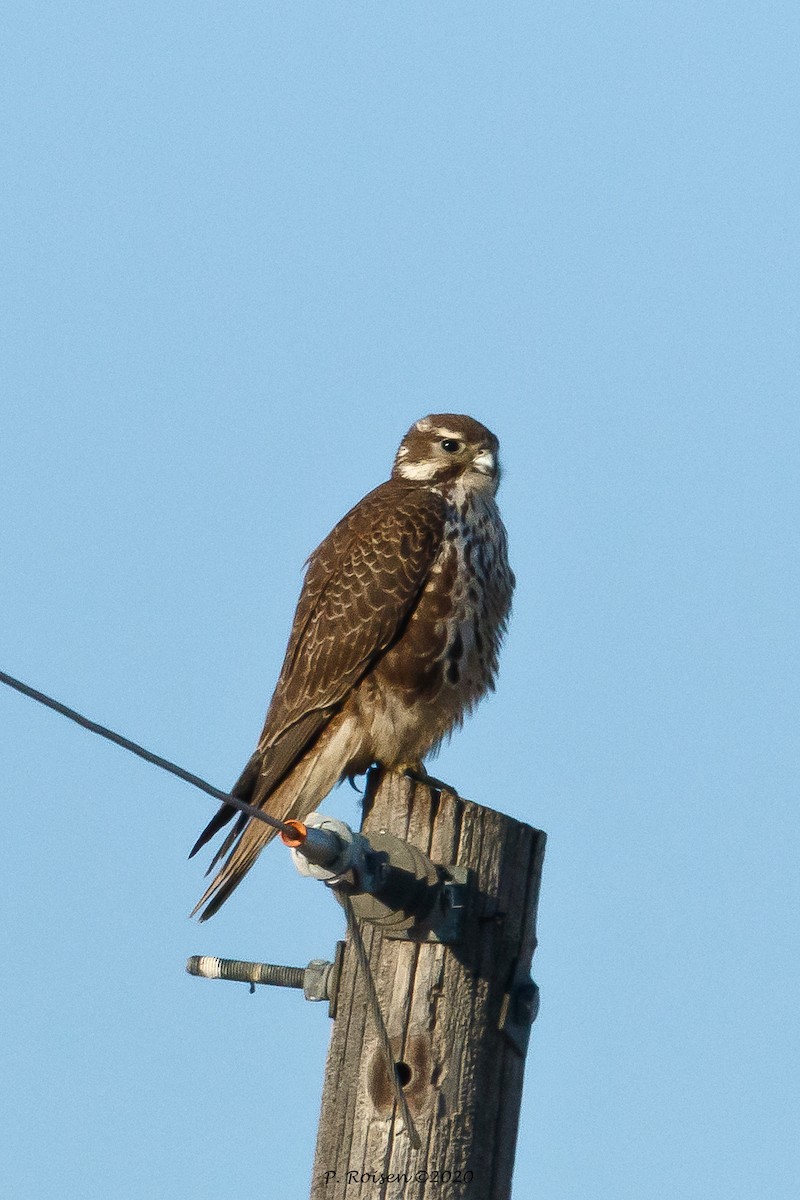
(446,658)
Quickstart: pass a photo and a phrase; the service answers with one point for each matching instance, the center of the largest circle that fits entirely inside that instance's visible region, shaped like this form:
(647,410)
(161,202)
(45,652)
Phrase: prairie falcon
(395,637)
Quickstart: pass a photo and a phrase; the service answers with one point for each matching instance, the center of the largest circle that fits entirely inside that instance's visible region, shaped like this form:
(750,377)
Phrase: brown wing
(360,589)
(361,586)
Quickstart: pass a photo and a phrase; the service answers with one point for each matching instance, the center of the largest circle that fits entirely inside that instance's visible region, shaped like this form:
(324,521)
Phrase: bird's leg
(417,772)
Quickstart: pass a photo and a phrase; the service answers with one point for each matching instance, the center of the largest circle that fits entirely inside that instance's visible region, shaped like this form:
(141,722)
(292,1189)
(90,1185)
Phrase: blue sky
(242,248)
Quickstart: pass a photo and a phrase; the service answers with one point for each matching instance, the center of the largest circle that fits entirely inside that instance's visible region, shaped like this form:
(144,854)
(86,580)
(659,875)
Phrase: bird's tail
(298,794)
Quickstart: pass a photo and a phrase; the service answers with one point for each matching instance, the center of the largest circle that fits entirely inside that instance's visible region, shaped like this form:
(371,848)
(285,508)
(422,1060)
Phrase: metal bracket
(445,922)
(519,1009)
(391,883)
(405,894)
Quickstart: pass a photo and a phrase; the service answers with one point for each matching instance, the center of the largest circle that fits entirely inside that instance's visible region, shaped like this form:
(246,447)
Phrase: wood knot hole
(413,1068)
(403,1072)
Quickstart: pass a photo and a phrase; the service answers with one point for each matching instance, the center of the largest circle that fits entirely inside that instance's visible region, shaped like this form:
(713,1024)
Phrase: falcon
(395,638)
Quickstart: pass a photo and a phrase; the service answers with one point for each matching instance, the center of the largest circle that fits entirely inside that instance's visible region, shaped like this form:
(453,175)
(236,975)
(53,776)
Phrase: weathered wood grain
(442,1006)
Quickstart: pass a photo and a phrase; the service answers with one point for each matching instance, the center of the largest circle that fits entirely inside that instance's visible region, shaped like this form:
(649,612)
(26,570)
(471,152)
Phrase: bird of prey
(395,637)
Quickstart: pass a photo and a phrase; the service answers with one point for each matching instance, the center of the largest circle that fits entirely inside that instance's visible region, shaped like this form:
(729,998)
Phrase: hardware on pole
(425,1091)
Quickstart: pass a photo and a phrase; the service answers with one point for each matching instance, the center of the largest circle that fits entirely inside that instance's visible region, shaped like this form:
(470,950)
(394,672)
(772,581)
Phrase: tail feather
(217,822)
(236,832)
(250,844)
(298,794)
(243,788)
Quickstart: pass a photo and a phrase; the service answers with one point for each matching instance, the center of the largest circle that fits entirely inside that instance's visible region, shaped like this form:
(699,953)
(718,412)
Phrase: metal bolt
(318,981)
(245,972)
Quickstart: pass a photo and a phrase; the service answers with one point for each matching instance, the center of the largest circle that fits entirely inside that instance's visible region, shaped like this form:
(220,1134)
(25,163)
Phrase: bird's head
(447,447)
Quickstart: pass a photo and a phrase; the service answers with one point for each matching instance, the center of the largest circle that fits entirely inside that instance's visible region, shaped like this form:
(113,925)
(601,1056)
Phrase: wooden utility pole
(457,1016)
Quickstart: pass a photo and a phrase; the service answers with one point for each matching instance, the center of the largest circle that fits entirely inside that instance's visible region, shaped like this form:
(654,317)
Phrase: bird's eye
(450,445)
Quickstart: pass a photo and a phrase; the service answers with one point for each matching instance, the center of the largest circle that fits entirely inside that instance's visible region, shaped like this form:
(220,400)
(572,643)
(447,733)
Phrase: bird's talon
(422,776)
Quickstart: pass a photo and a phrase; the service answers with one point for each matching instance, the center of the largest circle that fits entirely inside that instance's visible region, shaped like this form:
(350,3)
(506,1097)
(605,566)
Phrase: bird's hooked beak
(486,463)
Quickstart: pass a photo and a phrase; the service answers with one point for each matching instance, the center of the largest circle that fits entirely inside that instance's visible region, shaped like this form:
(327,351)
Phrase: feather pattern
(395,636)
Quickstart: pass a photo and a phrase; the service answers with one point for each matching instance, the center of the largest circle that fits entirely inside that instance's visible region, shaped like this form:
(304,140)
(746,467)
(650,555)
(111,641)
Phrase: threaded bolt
(318,981)
(246,972)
